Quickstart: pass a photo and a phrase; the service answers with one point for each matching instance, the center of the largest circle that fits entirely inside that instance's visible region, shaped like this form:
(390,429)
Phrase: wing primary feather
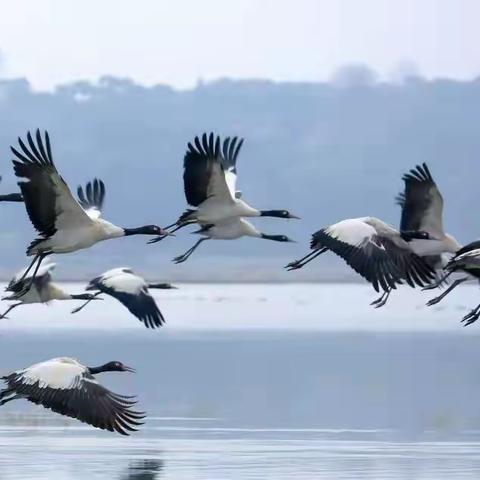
(41,147)
(27,152)
(33,148)
(232,148)
(237,150)
(19,155)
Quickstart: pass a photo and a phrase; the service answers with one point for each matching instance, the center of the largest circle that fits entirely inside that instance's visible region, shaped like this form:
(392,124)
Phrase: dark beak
(293,216)
(163,234)
(129,369)
(155,240)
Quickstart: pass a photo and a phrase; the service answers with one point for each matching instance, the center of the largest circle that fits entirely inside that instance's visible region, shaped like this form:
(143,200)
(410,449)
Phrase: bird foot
(433,301)
(380,301)
(470,318)
(179,259)
(293,266)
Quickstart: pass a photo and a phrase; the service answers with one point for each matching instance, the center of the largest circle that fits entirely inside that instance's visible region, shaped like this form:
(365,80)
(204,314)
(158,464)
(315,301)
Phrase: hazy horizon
(362,133)
(182,42)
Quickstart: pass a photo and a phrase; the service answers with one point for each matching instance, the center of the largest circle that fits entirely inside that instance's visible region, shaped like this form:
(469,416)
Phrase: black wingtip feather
(93,196)
(420,173)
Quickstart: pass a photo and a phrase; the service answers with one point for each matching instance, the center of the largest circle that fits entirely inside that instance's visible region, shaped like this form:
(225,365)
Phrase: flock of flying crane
(415,254)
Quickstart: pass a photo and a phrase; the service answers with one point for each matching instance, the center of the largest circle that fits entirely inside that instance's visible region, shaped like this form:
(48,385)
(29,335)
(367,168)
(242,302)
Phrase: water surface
(259,381)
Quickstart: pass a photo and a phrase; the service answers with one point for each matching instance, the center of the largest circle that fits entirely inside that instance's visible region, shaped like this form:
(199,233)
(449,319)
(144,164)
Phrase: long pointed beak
(294,216)
(155,240)
(292,241)
(163,234)
(129,369)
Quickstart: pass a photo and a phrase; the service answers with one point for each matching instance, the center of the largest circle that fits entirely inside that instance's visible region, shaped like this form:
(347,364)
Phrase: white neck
(249,230)
(110,230)
(451,243)
(56,293)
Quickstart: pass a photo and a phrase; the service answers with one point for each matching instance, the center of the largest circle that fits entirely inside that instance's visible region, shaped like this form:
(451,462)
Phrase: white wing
(116,271)
(125,282)
(59,373)
(375,251)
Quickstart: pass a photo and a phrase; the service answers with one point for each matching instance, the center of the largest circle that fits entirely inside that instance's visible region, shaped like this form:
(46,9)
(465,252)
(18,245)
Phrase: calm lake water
(259,381)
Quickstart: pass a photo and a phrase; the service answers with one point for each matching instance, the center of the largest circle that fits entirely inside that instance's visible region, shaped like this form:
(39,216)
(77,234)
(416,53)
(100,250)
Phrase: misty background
(335,100)
(325,151)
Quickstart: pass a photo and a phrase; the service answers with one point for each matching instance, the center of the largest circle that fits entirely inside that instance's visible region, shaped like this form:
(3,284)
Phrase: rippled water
(264,382)
(167,453)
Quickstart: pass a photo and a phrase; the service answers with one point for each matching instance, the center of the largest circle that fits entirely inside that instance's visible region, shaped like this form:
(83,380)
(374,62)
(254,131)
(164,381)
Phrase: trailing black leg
(471,317)
(25,273)
(304,260)
(382,300)
(10,308)
(83,305)
(438,282)
(182,258)
(455,284)
(41,256)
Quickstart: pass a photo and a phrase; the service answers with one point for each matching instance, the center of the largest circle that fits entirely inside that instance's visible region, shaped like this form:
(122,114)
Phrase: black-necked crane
(421,223)
(374,250)
(467,262)
(132,291)
(63,224)
(69,388)
(229,230)
(209,179)
(43,290)
(11,197)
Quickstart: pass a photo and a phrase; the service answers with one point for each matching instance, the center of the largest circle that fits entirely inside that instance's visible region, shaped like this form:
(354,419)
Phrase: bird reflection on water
(145,469)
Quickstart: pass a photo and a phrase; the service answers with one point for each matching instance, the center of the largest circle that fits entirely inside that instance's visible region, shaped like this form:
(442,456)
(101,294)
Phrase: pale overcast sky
(180,41)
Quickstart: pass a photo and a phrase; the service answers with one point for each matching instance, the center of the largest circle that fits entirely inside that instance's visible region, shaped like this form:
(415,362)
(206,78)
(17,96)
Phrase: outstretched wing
(422,208)
(132,291)
(92,198)
(374,255)
(80,396)
(50,204)
(142,305)
(210,169)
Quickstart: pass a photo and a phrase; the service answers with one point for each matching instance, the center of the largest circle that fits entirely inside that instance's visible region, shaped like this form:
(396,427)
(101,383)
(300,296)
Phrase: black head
(277,213)
(277,238)
(146,230)
(112,367)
